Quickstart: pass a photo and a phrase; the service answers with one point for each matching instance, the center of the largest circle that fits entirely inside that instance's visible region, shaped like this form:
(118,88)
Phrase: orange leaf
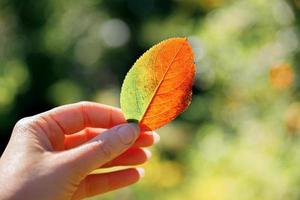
(158,86)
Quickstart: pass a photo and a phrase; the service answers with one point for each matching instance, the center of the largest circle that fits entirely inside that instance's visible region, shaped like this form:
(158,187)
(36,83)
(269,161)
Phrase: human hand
(51,155)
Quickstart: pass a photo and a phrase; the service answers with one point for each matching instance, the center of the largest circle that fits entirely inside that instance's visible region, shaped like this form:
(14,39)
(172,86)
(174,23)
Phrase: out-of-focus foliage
(239,139)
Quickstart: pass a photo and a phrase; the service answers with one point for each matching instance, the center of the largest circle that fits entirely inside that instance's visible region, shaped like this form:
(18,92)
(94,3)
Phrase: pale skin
(51,155)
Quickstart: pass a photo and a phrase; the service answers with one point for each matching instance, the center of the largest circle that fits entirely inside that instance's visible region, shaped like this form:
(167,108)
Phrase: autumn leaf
(159,85)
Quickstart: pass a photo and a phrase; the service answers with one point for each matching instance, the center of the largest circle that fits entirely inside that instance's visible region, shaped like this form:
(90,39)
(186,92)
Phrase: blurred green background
(239,139)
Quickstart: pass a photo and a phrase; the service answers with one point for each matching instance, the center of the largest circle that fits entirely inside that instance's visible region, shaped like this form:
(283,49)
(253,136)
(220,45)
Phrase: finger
(72,118)
(133,156)
(101,149)
(81,137)
(101,183)
(145,139)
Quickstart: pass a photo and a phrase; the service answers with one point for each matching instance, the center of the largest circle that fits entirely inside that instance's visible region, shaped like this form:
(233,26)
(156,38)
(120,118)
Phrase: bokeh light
(114,32)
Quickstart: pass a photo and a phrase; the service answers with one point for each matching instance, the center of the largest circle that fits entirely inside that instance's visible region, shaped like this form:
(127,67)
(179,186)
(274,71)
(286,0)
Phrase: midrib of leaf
(160,82)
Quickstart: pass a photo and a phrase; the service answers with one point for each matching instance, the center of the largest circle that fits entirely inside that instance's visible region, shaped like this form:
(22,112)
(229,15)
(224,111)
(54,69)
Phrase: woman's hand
(51,155)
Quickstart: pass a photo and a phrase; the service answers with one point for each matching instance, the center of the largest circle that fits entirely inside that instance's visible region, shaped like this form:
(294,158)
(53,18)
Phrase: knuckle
(107,149)
(84,103)
(24,122)
(27,123)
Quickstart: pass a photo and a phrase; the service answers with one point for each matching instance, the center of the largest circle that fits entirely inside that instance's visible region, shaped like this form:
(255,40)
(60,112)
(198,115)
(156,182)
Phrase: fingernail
(156,138)
(128,133)
(141,172)
(148,153)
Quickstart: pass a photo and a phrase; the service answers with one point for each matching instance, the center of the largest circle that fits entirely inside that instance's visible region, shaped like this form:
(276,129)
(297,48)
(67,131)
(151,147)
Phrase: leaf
(159,85)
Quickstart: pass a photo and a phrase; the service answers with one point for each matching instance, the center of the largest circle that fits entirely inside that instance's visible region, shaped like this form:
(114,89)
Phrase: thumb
(102,148)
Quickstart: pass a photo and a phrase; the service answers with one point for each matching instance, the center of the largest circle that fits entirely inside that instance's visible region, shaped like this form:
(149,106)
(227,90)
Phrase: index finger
(72,118)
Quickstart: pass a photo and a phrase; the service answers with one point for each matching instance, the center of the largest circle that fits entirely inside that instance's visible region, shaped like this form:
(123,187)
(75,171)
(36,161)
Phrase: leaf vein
(159,84)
